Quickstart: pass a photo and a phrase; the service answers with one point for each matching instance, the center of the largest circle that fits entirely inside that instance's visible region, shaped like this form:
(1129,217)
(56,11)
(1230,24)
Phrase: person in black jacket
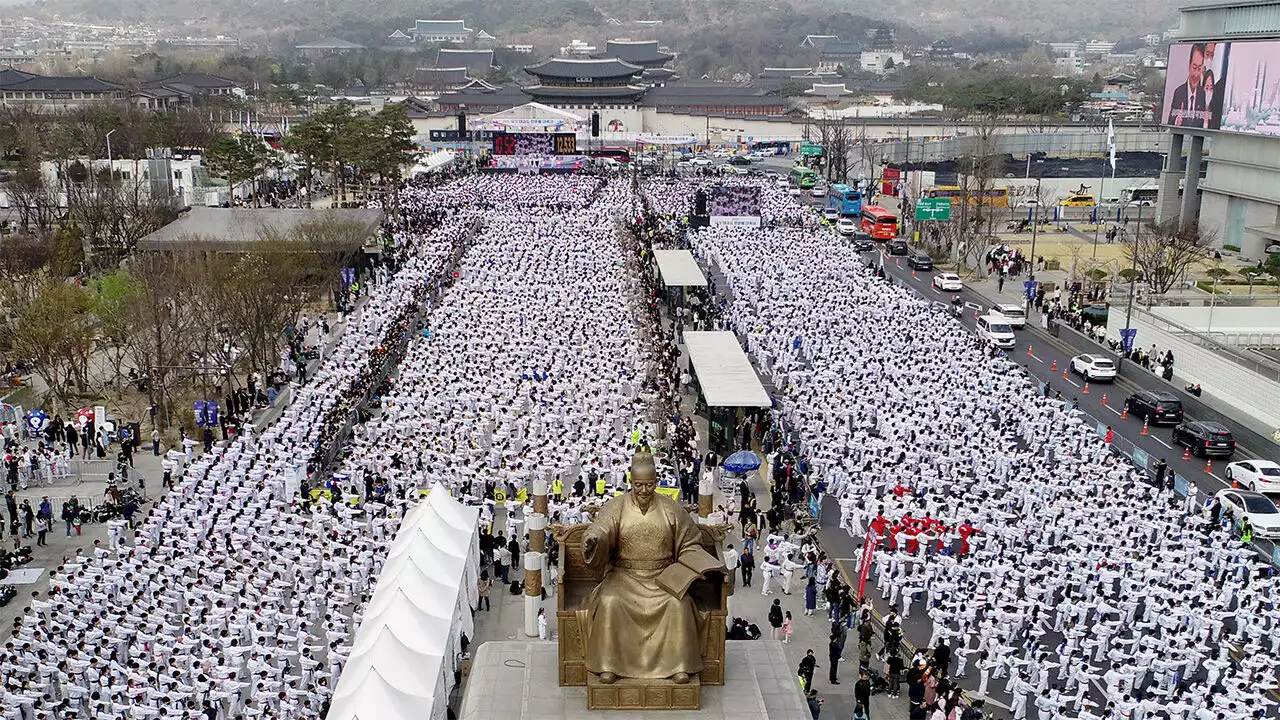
(862,692)
(942,658)
(775,619)
(833,657)
(807,665)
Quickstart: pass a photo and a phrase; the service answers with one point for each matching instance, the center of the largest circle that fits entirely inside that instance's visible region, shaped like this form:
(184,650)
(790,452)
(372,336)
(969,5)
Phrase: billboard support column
(1191,182)
(1169,204)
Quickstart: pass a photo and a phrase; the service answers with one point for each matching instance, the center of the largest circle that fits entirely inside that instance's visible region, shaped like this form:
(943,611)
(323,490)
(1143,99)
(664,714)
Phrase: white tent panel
(679,269)
(372,695)
(454,512)
(402,667)
(406,650)
(724,373)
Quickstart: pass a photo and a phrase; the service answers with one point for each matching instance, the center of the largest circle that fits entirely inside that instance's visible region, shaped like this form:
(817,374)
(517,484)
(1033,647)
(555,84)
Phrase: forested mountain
(710,34)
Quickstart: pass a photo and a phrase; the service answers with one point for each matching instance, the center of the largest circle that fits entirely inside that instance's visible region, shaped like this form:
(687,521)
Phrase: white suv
(995,330)
(1016,316)
(1094,367)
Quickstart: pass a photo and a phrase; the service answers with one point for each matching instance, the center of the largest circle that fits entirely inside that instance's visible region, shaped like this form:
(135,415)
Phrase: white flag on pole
(1111,144)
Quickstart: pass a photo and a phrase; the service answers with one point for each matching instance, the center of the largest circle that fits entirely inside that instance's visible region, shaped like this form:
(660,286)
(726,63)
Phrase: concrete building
(328,46)
(836,55)
(882,61)
(19,88)
(1238,200)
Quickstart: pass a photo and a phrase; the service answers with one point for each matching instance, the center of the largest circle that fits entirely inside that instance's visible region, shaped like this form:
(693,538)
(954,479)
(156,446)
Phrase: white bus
(1141,196)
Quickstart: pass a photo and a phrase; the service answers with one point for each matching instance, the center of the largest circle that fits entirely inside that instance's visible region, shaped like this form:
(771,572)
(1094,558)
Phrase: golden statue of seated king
(640,620)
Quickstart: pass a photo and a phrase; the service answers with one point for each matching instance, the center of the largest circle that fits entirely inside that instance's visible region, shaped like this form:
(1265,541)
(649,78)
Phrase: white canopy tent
(723,370)
(679,269)
(435,161)
(408,646)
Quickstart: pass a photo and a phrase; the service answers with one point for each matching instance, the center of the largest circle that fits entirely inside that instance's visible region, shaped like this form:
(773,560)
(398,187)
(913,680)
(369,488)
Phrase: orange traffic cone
(1124,412)
(913,274)
(1186,453)
(1055,366)
(1064,373)
(1144,427)
(1086,388)
(1104,398)
(1234,484)
(897,263)
(1029,350)
(1208,465)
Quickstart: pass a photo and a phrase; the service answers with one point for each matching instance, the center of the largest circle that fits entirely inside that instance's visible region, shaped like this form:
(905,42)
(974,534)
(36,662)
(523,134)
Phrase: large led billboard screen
(1227,86)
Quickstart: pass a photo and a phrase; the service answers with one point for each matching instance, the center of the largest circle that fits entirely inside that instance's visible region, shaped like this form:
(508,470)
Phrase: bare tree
(979,211)
(39,203)
(1164,252)
(162,327)
(112,213)
(46,321)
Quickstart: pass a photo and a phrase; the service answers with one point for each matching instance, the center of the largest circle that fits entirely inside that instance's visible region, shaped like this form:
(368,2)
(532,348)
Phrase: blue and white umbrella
(742,461)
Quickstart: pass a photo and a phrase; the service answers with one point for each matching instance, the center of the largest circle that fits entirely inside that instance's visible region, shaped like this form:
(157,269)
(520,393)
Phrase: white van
(996,330)
(1016,316)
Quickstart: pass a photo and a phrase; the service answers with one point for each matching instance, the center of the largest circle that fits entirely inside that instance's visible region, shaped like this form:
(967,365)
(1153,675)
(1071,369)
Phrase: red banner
(868,551)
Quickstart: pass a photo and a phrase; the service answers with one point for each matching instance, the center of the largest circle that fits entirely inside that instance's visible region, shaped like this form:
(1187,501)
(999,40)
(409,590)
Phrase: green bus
(803,178)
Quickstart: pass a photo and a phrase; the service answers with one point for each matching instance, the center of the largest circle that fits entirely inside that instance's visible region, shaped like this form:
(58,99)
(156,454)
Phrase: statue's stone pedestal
(518,681)
(629,694)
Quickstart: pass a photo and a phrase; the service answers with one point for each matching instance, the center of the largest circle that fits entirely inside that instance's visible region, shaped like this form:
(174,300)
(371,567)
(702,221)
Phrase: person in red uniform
(966,531)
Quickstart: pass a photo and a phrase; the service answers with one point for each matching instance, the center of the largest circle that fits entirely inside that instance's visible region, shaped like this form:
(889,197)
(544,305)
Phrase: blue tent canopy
(742,461)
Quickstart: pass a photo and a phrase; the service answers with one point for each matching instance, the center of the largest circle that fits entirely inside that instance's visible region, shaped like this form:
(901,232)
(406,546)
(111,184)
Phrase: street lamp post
(110,163)
(1213,302)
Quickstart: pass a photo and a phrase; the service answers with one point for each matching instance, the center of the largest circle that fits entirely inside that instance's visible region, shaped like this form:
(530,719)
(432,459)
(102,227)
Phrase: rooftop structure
(577,81)
(450,31)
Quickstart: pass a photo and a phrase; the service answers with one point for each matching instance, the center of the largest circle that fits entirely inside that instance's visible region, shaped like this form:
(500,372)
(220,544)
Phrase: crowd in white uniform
(229,599)
(531,364)
(1087,592)
(675,199)
(233,600)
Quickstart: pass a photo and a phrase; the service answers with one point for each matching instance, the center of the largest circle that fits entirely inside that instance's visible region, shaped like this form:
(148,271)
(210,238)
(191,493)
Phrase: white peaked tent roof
(419,620)
(394,660)
(413,575)
(427,589)
(403,656)
(388,644)
(434,547)
(373,696)
(454,512)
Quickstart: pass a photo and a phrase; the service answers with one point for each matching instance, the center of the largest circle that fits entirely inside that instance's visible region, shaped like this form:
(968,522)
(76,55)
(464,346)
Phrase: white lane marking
(1073,382)
(1153,437)
(1111,409)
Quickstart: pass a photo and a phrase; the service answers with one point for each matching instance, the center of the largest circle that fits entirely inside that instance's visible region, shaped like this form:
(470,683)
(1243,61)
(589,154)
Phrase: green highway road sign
(933,209)
(811,149)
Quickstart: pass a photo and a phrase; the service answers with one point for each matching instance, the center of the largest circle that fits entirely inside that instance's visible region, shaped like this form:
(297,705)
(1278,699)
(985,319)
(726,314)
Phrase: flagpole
(1102,183)
(1097,207)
